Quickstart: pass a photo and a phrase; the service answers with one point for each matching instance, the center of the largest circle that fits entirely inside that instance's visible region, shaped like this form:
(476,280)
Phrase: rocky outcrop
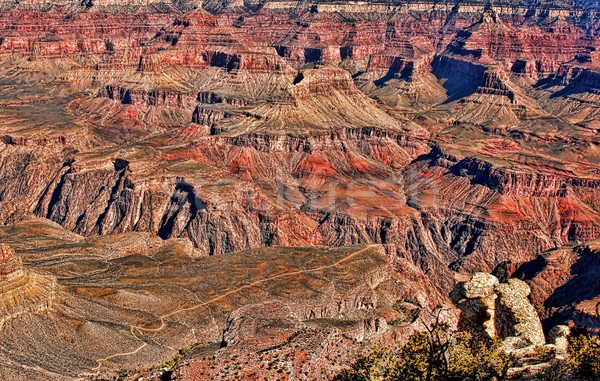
(208,117)
(22,291)
(12,266)
(559,337)
(494,85)
(515,316)
(501,309)
(577,78)
(477,301)
(26,293)
(148,98)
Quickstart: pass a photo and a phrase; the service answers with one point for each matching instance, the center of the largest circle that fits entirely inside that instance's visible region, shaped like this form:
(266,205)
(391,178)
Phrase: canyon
(164,164)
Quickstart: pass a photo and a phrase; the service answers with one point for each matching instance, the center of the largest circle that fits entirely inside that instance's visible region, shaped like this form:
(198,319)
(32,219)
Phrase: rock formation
(502,310)
(201,96)
(559,337)
(12,265)
(515,316)
(21,291)
(477,301)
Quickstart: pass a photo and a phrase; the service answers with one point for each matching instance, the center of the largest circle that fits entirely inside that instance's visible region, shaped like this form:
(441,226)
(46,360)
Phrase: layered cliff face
(11,264)
(23,292)
(457,136)
(196,126)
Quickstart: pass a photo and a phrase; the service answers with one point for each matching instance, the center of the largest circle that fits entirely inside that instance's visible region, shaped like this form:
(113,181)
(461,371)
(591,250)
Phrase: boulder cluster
(503,311)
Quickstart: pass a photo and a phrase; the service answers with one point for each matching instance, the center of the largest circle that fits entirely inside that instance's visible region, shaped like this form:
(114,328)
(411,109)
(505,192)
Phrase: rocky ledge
(22,291)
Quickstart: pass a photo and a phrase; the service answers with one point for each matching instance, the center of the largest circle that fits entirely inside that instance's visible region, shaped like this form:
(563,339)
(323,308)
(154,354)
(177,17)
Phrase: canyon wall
(457,135)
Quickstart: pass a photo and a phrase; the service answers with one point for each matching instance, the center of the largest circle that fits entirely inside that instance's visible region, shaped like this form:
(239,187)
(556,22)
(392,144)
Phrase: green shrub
(477,358)
(433,355)
(584,354)
(380,365)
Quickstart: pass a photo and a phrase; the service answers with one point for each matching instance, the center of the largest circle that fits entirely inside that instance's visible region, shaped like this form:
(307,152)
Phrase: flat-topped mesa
(11,265)
(322,81)
(493,84)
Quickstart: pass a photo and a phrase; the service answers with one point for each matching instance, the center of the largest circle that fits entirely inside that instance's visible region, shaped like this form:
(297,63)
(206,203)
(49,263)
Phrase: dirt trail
(141,329)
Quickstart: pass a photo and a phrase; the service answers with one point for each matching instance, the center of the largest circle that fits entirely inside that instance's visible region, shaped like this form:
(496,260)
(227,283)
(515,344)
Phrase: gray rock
(559,336)
(477,301)
(500,309)
(515,316)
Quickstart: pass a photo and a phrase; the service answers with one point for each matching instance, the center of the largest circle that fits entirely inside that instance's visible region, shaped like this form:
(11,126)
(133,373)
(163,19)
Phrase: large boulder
(500,310)
(477,301)
(515,316)
(559,337)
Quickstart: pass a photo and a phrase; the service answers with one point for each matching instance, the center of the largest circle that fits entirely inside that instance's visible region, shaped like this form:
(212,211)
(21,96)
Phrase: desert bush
(436,355)
(477,358)
(380,365)
(558,370)
(584,354)
(433,355)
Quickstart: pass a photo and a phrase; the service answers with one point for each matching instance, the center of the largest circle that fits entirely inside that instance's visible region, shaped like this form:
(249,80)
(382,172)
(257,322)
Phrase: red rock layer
(10,263)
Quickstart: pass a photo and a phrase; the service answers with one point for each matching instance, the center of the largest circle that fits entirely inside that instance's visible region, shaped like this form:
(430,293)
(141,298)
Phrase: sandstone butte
(273,188)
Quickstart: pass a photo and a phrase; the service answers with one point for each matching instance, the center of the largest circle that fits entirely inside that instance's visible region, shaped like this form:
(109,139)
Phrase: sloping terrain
(131,301)
(564,283)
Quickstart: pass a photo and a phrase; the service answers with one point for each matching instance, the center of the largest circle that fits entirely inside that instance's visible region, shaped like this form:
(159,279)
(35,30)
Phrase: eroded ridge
(22,291)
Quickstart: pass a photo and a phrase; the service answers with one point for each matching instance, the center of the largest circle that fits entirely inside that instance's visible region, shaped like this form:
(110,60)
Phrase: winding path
(141,329)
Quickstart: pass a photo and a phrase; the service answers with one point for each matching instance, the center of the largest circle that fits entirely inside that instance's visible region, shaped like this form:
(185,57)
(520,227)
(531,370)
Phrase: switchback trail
(141,329)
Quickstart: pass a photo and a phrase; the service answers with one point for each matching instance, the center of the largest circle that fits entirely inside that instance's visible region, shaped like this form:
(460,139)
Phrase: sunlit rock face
(453,141)
(501,310)
(12,266)
(22,292)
